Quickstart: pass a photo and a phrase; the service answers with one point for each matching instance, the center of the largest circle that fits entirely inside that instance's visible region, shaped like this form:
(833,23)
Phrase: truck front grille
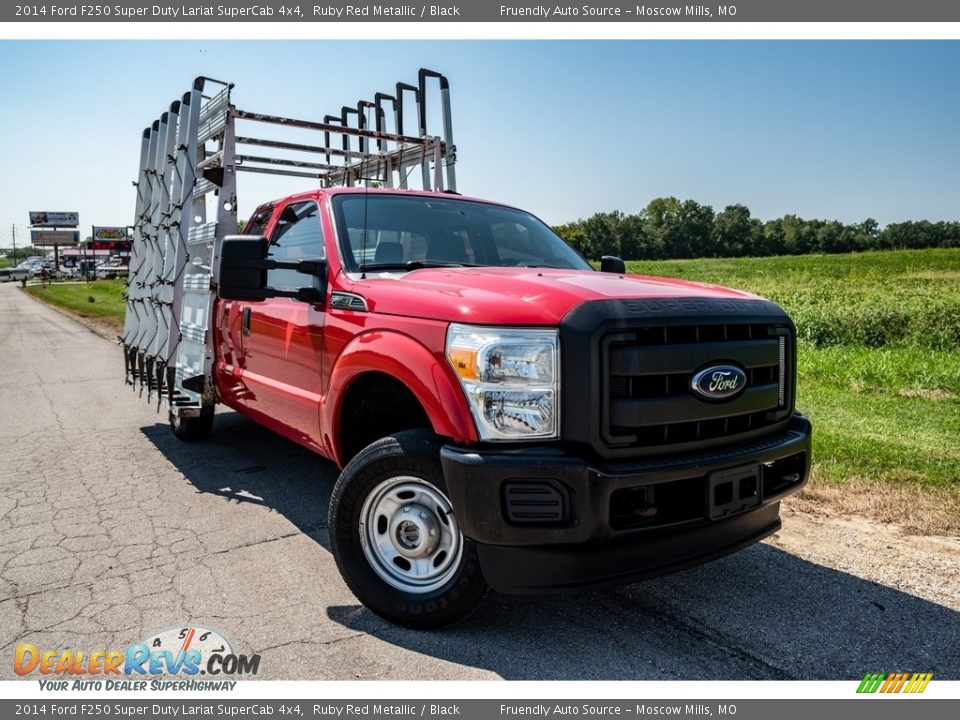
(646,373)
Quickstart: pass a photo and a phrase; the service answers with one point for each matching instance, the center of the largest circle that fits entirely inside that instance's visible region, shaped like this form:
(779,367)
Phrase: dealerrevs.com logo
(183,652)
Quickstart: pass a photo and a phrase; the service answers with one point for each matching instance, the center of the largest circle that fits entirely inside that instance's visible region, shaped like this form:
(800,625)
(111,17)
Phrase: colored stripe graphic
(901,679)
(923,682)
(871,682)
(894,682)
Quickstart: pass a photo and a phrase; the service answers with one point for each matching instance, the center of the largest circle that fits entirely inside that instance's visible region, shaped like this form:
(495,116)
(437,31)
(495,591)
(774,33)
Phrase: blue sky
(843,130)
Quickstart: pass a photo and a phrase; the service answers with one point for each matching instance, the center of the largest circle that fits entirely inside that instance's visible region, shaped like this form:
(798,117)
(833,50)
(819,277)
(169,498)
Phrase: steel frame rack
(189,160)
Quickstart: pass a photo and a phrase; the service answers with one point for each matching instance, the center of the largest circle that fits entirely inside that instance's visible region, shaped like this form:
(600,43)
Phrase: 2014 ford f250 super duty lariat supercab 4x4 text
(505,415)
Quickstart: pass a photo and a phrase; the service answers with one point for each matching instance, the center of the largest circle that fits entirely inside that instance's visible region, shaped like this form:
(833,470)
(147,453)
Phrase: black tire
(413,454)
(192,429)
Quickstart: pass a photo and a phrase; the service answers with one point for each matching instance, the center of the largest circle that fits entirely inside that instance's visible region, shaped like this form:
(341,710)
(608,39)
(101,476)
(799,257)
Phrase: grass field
(879,359)
(101,299)
(907,298)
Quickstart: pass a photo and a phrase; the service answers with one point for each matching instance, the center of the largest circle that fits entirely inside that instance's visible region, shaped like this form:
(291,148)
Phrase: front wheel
(395,537)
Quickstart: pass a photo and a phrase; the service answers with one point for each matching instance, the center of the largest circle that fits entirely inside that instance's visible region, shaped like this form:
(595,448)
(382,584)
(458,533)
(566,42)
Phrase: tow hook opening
(780,476)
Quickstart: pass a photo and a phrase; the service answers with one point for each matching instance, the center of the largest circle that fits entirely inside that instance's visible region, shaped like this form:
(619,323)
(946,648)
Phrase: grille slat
(635,360)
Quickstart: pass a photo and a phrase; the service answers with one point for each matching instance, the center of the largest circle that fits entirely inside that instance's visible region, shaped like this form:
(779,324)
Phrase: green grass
(874,299)
(97,299)
(890,414)
(878,366)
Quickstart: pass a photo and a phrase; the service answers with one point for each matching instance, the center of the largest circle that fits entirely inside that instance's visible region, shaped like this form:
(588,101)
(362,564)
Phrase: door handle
(245,322)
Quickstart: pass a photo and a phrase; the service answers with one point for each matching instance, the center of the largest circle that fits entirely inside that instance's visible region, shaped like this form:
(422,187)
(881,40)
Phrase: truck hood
(515,296)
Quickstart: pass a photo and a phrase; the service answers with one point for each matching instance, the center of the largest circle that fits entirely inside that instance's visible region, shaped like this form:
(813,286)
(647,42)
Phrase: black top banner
(892,11)
(366,708)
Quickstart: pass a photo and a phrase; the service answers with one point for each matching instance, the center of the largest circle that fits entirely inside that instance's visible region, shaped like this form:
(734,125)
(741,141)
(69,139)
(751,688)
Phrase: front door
(282,337)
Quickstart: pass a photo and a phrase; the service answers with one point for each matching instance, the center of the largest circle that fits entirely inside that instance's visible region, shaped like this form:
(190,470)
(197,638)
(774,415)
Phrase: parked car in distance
(111,271)
(13,274)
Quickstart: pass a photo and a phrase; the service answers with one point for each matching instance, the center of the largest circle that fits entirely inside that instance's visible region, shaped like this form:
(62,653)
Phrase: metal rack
(189,160)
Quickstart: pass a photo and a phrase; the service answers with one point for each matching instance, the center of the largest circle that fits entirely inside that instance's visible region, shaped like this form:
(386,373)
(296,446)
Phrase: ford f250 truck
(504,415)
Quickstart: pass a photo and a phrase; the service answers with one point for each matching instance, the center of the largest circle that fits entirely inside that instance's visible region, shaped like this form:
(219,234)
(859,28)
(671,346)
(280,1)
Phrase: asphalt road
(110,530)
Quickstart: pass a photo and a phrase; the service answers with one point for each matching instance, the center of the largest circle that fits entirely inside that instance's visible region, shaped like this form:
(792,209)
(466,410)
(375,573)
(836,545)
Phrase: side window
(298,235)
(258,223)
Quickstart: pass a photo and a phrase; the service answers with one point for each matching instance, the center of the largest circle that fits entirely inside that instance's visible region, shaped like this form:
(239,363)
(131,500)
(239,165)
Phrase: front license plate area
(735,490)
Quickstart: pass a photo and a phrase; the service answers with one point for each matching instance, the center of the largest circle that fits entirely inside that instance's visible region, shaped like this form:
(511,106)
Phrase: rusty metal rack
(187,203)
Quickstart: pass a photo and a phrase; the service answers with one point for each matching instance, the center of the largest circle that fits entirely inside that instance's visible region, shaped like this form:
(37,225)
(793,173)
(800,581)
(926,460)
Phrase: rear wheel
(396,539)
(192,429)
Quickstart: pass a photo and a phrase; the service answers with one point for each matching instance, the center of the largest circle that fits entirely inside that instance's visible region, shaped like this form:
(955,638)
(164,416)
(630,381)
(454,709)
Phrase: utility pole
(13,229)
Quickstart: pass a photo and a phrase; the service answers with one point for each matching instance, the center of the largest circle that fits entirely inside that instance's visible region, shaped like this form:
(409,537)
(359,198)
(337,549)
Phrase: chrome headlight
(511,377)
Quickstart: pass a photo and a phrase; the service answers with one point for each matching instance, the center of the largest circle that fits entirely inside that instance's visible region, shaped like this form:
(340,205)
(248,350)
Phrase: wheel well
(375,406)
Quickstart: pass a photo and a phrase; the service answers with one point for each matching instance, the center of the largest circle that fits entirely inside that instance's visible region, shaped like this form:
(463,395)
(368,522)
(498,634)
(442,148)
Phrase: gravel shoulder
(924,565)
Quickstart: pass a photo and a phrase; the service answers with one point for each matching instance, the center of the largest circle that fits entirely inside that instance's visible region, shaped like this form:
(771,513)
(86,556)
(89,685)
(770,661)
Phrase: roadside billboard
(46,218)
(114,238)
(41,238)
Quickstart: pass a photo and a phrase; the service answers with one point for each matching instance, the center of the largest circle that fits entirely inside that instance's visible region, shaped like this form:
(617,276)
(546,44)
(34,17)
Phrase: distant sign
(40,238)
(54,219)
(109,234)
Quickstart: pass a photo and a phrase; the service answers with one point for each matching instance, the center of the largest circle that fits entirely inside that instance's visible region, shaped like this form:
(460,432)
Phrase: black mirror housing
(243,268)
(612,264)
(243,272)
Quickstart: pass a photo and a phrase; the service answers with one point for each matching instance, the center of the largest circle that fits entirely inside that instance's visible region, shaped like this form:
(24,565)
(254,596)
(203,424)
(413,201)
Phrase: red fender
(401,357)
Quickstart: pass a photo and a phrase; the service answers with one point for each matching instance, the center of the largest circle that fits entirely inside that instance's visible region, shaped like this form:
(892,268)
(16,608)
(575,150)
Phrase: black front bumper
(545,521)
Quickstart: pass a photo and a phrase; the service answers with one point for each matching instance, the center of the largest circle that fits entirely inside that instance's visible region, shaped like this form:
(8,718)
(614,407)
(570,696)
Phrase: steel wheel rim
(409,535)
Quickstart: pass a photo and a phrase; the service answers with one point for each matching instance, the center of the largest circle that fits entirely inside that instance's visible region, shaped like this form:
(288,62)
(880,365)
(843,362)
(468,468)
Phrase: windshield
(412,231)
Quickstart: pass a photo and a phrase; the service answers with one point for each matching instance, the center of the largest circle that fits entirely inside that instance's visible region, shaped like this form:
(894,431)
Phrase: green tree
(671,228)
(574,236)
(603,234)
(683,228)
(735,233)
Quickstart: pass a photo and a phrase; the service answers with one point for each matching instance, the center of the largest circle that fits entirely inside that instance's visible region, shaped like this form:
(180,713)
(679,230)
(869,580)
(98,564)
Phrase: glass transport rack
(186,204)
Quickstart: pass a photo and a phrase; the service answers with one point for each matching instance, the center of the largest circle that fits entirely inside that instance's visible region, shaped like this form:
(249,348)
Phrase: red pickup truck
(504,414)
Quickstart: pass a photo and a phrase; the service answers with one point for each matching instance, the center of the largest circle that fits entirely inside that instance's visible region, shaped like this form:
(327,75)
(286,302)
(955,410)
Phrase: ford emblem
(719,382)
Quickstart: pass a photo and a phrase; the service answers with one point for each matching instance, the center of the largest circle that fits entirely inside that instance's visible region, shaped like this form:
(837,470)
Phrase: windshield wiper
(415,265)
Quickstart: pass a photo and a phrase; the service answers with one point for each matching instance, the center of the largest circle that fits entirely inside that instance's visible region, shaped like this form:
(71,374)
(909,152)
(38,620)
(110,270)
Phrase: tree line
(22,253)
(669,228)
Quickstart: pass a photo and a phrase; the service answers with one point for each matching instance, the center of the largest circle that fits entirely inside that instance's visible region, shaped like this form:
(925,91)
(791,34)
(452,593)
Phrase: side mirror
(243,267)
(612,264)
(243,271)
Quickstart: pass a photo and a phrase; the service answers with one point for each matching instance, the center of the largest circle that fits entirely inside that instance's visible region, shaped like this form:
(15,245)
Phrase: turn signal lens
(464,362)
